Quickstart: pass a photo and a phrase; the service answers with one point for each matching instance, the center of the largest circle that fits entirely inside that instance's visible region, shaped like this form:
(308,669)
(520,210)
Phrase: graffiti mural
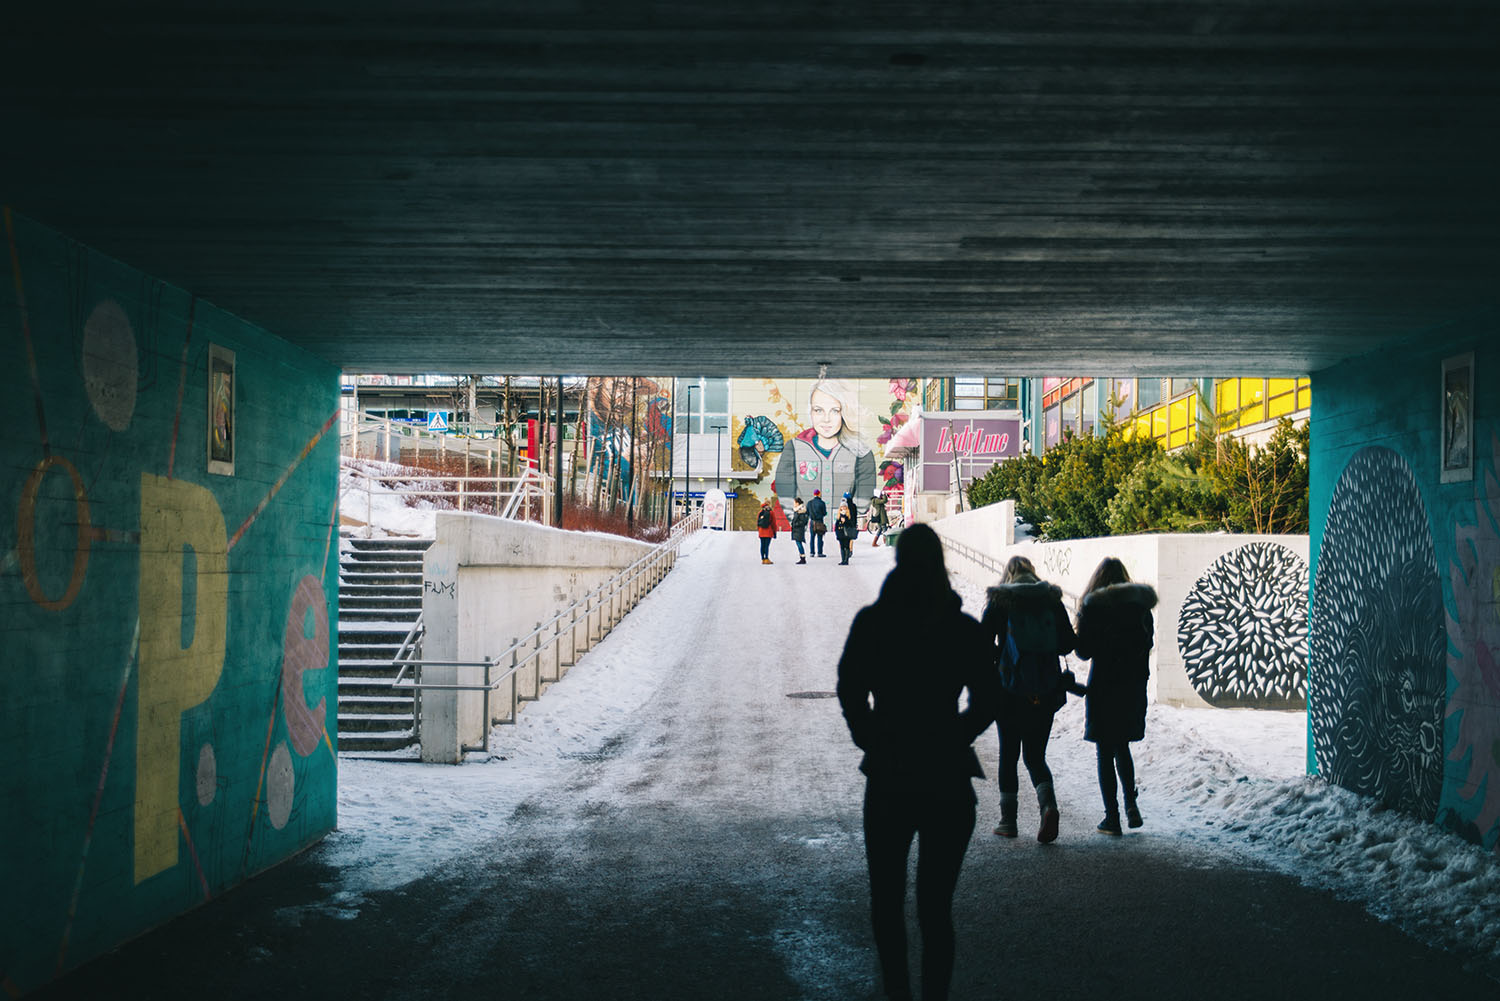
(1474,662)
(146,599)
(1378,654)
(829,435)
(1242,630)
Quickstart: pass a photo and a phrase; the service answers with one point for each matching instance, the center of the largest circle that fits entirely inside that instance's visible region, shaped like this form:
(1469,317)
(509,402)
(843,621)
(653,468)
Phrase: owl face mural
(1378,657)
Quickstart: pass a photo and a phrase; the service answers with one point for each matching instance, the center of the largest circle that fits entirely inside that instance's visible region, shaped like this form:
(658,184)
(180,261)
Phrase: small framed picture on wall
(220,410)
(1458,418)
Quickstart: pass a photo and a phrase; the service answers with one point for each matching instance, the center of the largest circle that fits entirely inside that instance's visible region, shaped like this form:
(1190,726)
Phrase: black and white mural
(1242,630)
(1378,647)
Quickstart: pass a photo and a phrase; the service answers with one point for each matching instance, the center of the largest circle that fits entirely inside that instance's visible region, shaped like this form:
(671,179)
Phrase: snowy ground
(1230,783)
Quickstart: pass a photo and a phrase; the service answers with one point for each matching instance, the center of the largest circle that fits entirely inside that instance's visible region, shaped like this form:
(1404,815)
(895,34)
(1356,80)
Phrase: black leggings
(941,818)
(1113,756)
(1024,732)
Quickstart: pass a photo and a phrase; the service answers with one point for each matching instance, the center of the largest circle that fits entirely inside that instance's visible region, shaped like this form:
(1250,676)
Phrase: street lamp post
(687,471)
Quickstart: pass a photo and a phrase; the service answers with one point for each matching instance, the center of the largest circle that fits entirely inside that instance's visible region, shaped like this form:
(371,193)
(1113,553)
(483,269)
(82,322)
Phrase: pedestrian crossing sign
(437,420)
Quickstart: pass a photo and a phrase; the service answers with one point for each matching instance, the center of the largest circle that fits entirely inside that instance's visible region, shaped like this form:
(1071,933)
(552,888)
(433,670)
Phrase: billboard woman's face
(827,414)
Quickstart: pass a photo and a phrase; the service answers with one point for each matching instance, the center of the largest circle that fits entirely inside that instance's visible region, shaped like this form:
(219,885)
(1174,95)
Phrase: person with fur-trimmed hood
(1026,621)
(1116,632)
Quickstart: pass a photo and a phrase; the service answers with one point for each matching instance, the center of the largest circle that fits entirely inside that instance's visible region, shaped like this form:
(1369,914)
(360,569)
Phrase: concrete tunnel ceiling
(1173,188)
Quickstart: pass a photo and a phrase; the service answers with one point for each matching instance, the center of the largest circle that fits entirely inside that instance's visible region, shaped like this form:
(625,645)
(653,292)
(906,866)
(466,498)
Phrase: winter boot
(1007,826)
(801,560)
(1046,800)
(1110,824)
(1132,811)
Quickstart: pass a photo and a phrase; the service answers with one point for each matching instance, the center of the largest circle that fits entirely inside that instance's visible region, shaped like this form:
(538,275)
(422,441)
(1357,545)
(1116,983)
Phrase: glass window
(715,395)
(1123,396)
(1283,399)
(1304,394)
(1159,422)
(1149,393)
(1227,398)
(1180,386)
(1053,419)
(967,403)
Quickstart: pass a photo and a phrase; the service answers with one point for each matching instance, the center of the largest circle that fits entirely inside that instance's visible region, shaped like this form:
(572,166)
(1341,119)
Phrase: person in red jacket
(765,527)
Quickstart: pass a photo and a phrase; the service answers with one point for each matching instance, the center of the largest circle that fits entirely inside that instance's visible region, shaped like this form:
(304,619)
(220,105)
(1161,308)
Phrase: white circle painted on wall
(280,786)
(110,364)
(208,775)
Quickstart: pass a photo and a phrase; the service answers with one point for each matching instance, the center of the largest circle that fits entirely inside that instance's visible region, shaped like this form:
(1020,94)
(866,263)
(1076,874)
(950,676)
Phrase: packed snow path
(680,818)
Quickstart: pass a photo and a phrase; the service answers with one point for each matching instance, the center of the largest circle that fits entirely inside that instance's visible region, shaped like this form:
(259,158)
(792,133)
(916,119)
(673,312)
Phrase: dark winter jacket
(1030,611)
(845,527)
(1115,631)
(915,730)
(799,524)
(817,514)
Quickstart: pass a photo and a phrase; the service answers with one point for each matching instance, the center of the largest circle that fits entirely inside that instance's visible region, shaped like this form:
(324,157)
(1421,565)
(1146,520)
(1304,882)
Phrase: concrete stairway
(380,596)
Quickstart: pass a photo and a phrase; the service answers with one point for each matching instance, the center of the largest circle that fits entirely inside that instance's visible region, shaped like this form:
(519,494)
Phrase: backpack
(1028,656)
(763,520)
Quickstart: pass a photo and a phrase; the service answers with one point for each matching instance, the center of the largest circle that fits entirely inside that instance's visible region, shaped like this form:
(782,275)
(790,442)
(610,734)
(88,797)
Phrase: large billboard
(966,445)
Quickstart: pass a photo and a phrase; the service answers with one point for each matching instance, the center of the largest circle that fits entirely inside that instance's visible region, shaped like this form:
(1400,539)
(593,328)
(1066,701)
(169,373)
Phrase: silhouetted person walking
(1115,631)
(919,763)
(1025,617)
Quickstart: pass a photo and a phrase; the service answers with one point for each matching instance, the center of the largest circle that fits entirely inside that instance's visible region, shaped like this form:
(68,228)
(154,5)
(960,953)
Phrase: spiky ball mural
(1242,631)
(1378,658)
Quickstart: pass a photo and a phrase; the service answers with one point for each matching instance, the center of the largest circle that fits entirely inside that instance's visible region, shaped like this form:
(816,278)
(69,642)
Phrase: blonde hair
(1017,568)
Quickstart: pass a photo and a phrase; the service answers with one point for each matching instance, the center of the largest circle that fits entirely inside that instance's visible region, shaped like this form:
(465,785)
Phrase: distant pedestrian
(1026,620)
(817,522)
(1115,631)
(765,526)
(877,521)
(799,528)
(919,763)
(845,528)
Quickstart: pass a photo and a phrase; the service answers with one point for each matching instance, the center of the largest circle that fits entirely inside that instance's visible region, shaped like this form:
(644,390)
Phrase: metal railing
(986,562)
(527,497)
(598,612)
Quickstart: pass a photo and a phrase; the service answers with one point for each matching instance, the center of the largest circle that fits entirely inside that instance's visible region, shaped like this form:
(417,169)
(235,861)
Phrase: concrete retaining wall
(1232,618)
(488,581)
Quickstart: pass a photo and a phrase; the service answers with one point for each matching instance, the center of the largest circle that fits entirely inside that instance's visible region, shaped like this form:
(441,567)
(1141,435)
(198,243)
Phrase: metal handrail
(975,556)
(532,484)
(612,587)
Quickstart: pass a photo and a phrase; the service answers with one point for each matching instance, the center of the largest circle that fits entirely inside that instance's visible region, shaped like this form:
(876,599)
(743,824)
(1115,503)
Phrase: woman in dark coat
(919,763)
(1115,631)
(844,528)
(1028,632)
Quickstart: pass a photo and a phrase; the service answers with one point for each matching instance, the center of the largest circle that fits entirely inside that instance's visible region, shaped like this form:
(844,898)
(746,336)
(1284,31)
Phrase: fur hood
(1024,593)
(1121,594)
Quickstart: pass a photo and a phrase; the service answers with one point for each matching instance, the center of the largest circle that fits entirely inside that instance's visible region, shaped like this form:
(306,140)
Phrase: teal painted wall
(167,694)
(1404,680)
